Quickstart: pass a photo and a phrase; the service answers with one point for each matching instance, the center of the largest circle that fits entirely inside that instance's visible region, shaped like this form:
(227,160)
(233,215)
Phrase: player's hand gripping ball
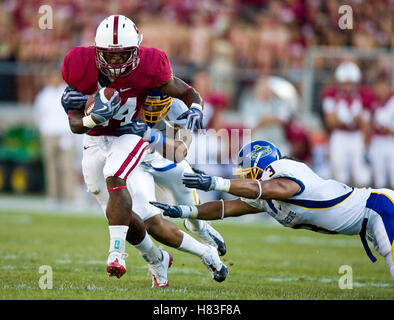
(103,104)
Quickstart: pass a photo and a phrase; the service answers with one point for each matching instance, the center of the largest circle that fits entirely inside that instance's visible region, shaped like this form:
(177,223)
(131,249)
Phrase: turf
(265,262)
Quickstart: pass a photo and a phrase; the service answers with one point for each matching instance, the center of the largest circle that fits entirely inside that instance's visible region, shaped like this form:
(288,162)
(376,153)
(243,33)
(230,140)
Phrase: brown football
(105,95)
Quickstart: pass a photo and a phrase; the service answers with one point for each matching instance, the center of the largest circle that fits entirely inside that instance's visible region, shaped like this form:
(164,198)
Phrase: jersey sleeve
(290,169)
(162,69)
(258,204)
(79,69)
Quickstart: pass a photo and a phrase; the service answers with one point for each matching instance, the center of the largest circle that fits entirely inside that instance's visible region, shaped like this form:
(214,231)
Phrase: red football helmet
(117,34)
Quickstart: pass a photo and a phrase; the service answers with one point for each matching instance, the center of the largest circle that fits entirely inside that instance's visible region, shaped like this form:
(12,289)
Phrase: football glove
(197,170)
(136,126)
(104,111)
(198,181)
(73,99)
(154,136)
(173,211)
(193,117)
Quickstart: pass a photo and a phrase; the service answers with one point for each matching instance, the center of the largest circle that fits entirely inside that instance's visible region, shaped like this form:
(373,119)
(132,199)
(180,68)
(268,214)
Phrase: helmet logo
(259,151)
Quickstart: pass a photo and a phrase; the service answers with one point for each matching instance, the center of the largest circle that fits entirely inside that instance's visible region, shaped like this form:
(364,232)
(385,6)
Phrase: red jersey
(346,105)
(153,70)
(377,108)
(297,135)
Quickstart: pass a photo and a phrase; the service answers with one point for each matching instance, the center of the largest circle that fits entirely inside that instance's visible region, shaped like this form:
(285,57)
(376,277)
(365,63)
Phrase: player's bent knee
(157,226)
(154,225)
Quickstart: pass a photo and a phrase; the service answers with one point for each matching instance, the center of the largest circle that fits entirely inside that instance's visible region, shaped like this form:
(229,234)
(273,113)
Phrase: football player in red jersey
(118,61)
(346,120)
(381,148)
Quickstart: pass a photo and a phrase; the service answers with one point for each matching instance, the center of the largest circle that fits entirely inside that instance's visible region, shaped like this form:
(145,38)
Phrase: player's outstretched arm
(279,188)
(213,210)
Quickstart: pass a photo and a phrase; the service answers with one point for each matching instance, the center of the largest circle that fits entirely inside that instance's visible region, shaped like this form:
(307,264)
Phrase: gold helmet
(156,106)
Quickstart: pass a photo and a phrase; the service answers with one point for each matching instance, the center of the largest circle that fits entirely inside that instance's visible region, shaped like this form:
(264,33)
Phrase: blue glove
(193,117)
(73,99)
(136,126)
(172,211)
(198,181)
(104,111)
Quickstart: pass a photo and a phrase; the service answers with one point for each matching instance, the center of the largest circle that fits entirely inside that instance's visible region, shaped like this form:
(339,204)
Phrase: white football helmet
(348,72)
(117,34)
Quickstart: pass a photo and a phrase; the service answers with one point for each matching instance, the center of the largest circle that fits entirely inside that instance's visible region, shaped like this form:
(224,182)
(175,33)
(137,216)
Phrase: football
(105,95)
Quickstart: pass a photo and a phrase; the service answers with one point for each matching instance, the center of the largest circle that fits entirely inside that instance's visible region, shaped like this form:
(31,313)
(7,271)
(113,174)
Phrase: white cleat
(116,265)
(159,270)
(208,235)
(214,265)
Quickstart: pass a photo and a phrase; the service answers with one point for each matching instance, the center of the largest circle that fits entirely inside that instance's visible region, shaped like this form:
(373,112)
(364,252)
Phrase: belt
(364,240)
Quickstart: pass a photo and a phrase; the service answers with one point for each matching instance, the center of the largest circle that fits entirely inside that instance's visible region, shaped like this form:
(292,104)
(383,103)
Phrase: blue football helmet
(156,106)
(255,157)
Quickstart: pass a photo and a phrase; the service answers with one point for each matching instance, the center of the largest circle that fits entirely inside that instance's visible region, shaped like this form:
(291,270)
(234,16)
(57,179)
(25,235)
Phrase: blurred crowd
(232,51)
(225,36)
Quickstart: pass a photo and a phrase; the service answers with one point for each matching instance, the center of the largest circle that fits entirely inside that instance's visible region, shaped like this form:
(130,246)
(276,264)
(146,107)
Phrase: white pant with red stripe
(108,156)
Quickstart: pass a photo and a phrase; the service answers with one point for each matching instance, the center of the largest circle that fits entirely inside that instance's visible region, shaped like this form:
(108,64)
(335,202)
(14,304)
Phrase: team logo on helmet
(255,157)
(259,151)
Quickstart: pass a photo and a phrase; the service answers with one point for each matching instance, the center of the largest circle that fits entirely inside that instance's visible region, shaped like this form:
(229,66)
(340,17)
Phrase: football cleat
(116,265)
(159,270)
(208,235)
(212,262)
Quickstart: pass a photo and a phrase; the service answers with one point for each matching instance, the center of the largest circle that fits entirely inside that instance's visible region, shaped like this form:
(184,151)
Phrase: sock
(149,251)
(191,245)
(117,236)
(390,262)
(196,224)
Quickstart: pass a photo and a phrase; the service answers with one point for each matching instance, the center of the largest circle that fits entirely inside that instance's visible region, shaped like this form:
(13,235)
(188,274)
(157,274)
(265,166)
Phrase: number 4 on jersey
(126,111)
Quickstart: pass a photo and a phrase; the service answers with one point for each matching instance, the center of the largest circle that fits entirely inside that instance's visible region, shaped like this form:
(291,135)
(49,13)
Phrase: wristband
(88,122)
(193,212)
(189,212)
(221,184)
(187,89)
(196,106)
(184,143)
(222,201)
(260,190)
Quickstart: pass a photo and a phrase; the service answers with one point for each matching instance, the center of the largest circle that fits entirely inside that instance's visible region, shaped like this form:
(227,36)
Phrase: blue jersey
(320,205)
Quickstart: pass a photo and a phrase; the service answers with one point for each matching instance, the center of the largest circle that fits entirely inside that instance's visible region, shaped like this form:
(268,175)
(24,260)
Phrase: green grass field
(265,262)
